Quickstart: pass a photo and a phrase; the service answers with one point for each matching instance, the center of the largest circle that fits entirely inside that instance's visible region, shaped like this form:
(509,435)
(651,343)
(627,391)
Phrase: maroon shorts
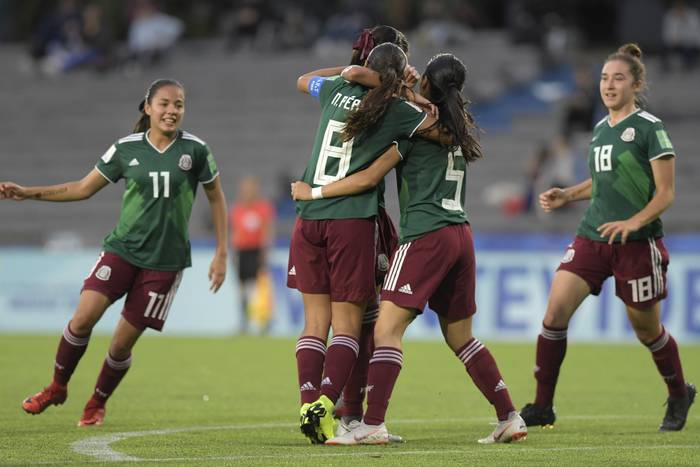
(438,269)
(149,293)
(387,240)
(639,268)
(334,257)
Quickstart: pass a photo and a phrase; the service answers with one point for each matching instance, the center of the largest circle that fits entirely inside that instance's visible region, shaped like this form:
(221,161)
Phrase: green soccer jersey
(332,159)
(152,232)
(619,159)
(431,184)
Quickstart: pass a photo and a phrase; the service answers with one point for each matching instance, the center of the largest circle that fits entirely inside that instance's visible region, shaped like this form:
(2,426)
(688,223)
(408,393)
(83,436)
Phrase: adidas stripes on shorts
(438,269)
(149,293)
(639,268)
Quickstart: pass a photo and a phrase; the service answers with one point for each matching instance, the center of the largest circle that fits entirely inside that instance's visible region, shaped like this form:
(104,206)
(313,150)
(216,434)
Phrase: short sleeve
(404,147)
(110,166)
(407,116)
(208,171)
(328,87)
(659,144)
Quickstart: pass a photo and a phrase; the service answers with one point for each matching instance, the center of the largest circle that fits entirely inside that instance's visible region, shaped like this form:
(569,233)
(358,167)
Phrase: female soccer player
(434,262)
(145,254)
(349,406)
(332,252)
(631,160)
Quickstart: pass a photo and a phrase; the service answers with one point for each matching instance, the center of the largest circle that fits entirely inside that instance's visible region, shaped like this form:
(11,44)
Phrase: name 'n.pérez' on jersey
(345,102)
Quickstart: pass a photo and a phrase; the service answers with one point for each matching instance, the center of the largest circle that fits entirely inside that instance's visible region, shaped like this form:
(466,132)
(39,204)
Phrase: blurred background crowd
(533,66)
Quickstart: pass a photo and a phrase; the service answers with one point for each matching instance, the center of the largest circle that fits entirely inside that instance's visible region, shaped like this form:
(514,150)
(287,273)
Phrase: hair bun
(631,49)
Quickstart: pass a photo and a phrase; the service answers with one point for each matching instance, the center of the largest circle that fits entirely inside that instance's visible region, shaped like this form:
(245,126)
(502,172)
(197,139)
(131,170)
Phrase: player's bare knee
(646,335)
(80,326)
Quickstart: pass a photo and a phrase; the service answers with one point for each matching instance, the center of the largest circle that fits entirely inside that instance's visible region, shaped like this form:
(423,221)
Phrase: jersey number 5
(328,150)
(452,175)
(603,158)
(166,184)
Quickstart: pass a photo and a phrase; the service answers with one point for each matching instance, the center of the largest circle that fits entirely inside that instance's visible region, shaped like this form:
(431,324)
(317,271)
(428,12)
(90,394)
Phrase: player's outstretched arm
(663,170)
(70,191)
(355,183)
(555,198)
(217,203)
(304,80)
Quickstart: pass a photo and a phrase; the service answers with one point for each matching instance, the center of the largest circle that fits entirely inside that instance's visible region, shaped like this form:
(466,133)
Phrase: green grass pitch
(235,402)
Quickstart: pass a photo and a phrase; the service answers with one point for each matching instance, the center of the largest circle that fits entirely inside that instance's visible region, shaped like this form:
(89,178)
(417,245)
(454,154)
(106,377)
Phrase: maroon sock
(70,350)
(112,373)
(353,394)
(665,353)
(384,368)
(484,372)
(341,358)
(310,353)
(551,349)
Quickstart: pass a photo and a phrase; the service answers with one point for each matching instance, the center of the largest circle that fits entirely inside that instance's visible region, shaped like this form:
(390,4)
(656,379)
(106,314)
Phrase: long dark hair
(631,54)
(446,75)
(144,121)
(389,61)
(369,38)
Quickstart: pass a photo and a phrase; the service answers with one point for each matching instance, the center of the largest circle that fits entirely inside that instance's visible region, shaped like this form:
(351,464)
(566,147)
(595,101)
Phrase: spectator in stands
(681,34)
(145,255)
(55,29)
(151,33)
(252,224)
(552,164)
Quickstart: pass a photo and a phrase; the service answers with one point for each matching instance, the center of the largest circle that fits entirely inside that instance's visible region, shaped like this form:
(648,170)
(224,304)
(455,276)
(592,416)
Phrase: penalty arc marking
(98,447)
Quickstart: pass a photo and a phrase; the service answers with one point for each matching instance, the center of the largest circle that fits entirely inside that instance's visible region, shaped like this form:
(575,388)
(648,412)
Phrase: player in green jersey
(145,254)
(332,253)
(348,409)
(435,260)
(631,161)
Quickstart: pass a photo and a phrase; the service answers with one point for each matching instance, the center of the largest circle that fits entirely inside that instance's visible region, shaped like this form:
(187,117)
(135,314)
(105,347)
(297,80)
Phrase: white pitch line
(98,447)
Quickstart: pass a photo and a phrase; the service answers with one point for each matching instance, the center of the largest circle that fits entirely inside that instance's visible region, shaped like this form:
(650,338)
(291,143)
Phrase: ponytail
(446,75)
(373,107)
(389,61)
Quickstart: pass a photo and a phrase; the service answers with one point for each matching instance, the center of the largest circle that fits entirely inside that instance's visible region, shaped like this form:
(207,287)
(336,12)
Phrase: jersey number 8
(328,150)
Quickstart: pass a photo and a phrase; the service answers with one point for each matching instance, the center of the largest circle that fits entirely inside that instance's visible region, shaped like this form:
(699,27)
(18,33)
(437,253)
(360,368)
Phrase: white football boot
(508,431)
(362,434)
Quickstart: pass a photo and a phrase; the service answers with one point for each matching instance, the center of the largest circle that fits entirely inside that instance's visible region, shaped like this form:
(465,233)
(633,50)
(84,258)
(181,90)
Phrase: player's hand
(9,190)
(301,191)
(217,272)
(410,76)
(424,104)
(552,199)
(623,228)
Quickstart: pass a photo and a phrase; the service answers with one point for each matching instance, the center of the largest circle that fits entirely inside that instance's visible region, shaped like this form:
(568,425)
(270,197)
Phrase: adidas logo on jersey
(500,386)
(293,271)
(406,288)
(326,381)
(133,163)
(307,386)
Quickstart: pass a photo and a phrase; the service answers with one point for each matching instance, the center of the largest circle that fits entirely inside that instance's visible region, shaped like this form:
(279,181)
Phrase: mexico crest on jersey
(185,162)
(627,135)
